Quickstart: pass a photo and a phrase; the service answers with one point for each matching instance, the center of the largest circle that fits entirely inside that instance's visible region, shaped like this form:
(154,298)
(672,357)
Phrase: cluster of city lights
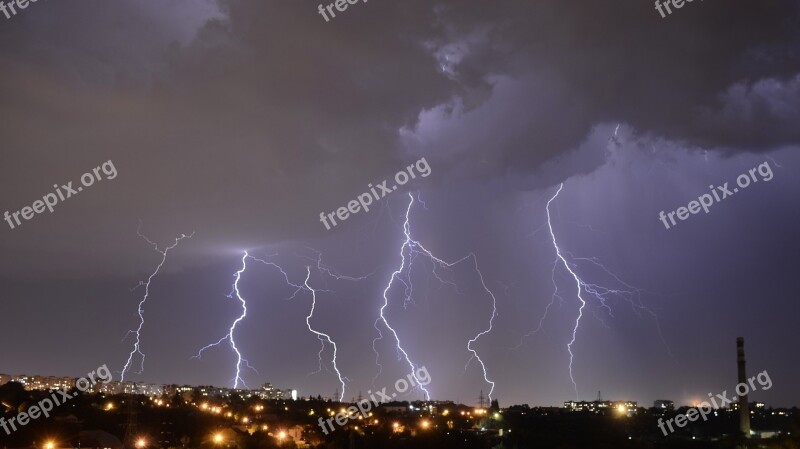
(158,402)
(140,443)
(477,412)
(218,438)
(361,422)
(213,409)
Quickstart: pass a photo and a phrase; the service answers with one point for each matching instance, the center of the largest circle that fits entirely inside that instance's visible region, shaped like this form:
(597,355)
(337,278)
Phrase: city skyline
(267,390)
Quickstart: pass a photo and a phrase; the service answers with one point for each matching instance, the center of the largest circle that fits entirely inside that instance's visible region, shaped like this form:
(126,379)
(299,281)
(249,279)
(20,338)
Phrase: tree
(13,394)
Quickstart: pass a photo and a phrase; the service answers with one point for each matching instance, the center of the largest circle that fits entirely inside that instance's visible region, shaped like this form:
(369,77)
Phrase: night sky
(242,120)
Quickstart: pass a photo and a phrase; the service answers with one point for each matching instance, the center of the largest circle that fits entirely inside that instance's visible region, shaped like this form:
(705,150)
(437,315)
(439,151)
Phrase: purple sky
(242,121)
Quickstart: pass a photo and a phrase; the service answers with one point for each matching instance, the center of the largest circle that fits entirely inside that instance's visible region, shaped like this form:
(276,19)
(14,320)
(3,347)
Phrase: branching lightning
(414,249)
(578,283)
(137,343)
(229,336)
(330,271)
(546,309)
(321,335)
(481,334)
(297,288)
(629,293)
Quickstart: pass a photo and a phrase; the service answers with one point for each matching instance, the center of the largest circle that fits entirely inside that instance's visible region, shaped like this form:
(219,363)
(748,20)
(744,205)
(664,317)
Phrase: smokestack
(744,405)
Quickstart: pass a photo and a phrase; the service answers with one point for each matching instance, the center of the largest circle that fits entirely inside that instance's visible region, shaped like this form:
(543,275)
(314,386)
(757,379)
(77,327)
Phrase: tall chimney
(744,405)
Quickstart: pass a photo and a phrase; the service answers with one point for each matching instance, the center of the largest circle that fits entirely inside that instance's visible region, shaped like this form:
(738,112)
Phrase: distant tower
(131,428)
(744,405)
(599,396)
(482,400)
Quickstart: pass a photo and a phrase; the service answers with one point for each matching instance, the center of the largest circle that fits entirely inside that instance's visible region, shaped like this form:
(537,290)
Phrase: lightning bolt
(137,343)
(331,272)
(323,337)
(546,309)
(774,161)
(481,334)
(415,249)
(578,283)
(230,335)
(629,293)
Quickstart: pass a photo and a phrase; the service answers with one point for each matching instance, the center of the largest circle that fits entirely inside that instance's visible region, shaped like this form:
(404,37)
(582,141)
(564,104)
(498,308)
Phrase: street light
(218,438)
(49,445)
(141,443)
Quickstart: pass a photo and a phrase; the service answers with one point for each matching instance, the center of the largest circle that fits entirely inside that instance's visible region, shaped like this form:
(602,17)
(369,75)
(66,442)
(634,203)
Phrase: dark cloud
(267,97)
